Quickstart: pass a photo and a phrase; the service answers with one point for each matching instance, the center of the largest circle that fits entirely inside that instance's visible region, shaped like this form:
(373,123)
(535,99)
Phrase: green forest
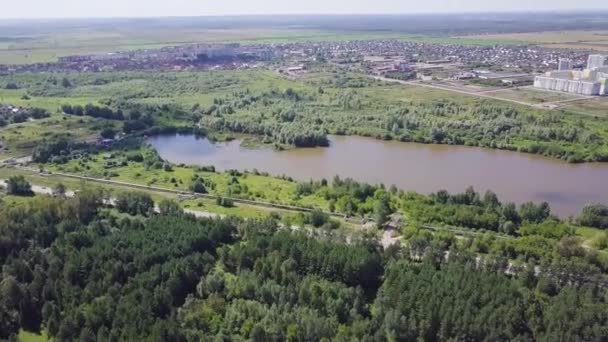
(76,270)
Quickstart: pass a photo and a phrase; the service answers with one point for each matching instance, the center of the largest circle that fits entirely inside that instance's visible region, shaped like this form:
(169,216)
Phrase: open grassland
(252,186)
(597,107)
(533,96)
(200,204)
(586,40)
(18,139)
(22,138)
(51,181)
(240,210)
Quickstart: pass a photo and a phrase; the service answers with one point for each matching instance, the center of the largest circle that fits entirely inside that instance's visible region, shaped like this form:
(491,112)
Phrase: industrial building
(590,81)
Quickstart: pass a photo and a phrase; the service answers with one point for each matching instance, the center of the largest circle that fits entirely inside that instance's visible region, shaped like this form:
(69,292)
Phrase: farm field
(45,48)
(42,42)
(586,40)
(48,47)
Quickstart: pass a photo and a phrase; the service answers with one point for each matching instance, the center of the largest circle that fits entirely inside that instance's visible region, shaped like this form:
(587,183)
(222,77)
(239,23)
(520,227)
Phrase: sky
(15,9)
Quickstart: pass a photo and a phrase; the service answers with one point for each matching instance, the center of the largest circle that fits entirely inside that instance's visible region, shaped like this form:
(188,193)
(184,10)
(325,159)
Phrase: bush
(19,186)
(135,203)
(594,215)
(135,157)
(210,168)
(534,213)
(108,133)
(47,149)
(168,207)
(601,242)
(11,86)
(316,218)
(224,202)
(549,229)
(198,187)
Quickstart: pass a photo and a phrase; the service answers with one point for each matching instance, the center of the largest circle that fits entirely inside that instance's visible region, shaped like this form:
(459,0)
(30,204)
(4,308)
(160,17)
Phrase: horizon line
(286,14)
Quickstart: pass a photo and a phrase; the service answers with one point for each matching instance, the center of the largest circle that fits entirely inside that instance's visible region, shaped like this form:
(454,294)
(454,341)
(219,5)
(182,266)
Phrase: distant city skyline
(160,8)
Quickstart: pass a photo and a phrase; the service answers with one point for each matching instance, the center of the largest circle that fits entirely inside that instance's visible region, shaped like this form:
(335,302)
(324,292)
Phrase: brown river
(515,177)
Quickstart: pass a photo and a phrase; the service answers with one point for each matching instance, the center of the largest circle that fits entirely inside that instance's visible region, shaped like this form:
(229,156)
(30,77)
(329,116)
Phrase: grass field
(533,96)
(72,183)
(19,139)
(597,107)
(205,205)
(587,40)
(267,189)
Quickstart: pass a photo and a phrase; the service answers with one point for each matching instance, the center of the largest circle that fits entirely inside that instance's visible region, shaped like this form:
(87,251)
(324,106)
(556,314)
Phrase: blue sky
(149,8)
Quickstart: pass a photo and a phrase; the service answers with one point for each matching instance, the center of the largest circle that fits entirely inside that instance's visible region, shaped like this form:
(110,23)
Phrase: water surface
(515,177)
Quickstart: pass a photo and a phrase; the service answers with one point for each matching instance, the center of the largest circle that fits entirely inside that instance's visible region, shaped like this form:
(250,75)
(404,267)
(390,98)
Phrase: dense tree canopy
(83,273)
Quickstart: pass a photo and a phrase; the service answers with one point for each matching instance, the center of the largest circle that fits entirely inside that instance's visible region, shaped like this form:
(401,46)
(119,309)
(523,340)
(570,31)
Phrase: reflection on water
(513,176)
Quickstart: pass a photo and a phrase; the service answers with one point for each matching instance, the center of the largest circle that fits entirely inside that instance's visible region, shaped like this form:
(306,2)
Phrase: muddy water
(515,177)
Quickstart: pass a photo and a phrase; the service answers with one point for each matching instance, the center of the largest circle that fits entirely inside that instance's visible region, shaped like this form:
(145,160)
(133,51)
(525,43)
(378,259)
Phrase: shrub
(135,203)
(198,187)
(594,215)
(19,186)
(316,218)
(224,202)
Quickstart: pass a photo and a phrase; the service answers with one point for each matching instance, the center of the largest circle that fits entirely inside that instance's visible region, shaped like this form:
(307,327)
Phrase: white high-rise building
(596,61)
(591,81)
(565,64)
